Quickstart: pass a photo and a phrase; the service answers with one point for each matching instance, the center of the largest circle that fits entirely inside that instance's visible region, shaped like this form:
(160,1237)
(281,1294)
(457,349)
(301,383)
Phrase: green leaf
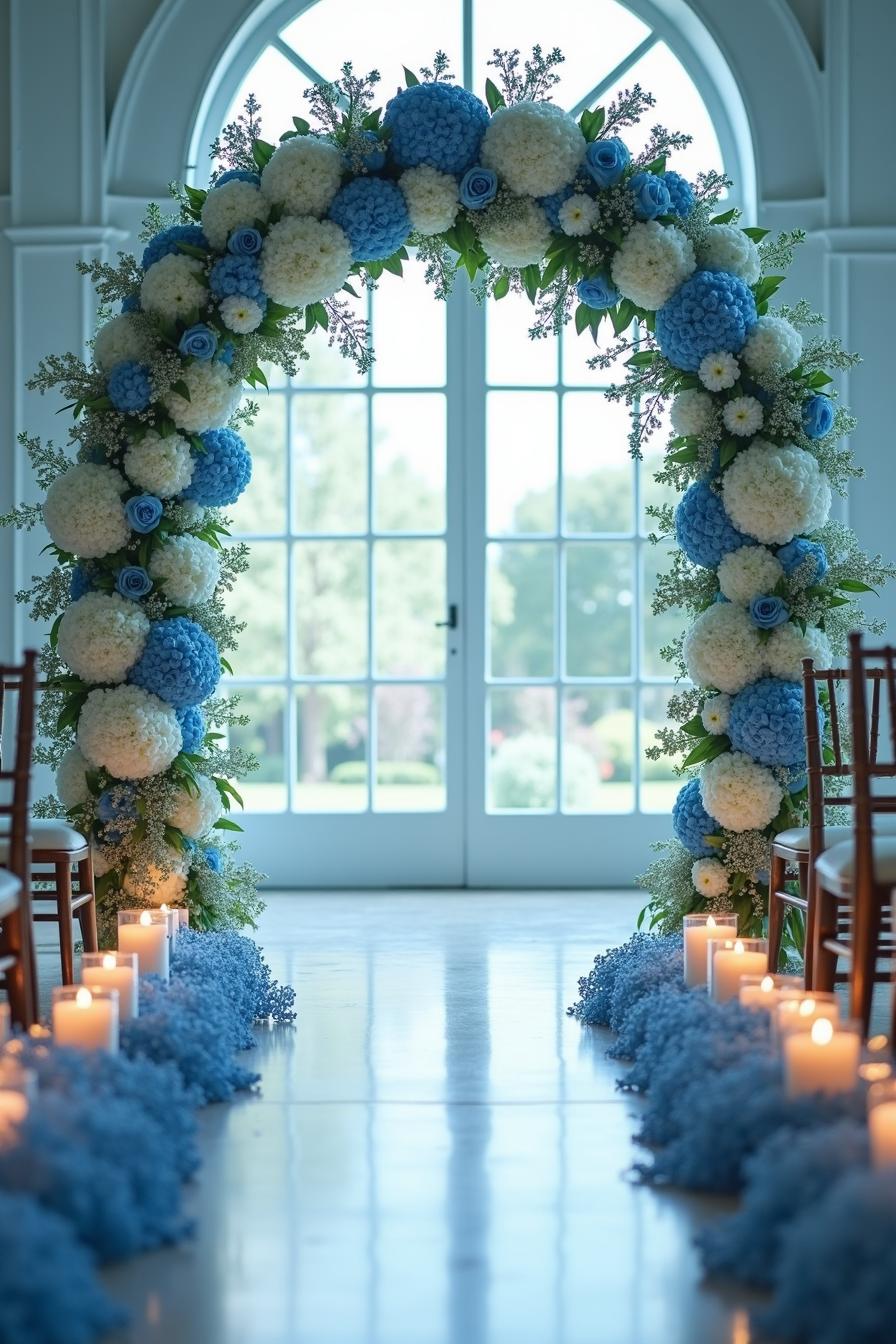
(502,287)
(591,123)
(685,455)
(724,219)
(818,379)
(493,96)
(301,125)
(531,278)
(262,152)
(54,630)
(410,78)
(583,318)
(181,389)
(258,376)
(756,235)
(393,265)
(226,666)
(277,311)
(199,252)
(727,452)
(642,359)
(656,165)
(707,750)
(856,586)
(197,445)
(695,727)
(225,824)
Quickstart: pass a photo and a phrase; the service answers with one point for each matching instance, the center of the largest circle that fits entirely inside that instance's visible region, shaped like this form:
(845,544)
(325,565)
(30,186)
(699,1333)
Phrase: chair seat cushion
(836,864)
(45,834)
(797,837)
(9,892)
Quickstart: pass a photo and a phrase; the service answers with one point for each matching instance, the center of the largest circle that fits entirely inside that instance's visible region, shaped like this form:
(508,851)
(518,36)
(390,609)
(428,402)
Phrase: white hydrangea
(748,572)
(579,215)
(196,815)
(653,260)
(172,287)
(101,636)
(240,314)
(516,238)
(772,493)
(772,342)
(163,466)
(303,175)
(693,413)
(188,569)
(431,198)
(743,416)
(718,371)
(304,260)
(213,397)
(191,513)
(235,205)
(726,248)
(716,713)
(710,878)
(739,793)
(129,732)
(788,646)
(156,885)
(102,862)
(723,649)
(83,512)
(71,779)
(535,148)
(120,338)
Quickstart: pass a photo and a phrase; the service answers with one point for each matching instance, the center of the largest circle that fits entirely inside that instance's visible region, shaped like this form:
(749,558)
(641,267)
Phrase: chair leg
(806,894)
(824,924)
(777,874)
(867,915)
(64,912)
(21,979)
(87,913)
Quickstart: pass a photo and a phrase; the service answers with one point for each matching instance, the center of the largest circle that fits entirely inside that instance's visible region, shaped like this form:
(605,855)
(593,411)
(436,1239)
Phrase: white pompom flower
(304,260)
(83,512)
(516,234)
(723,649)
(743,416)
(773,493)
(71,779)
(161,465)
(431,198)
(194,815)
(718,371)
(212,401)
(579,215)
(716,713)
(188,570)
(693,413)
(651,263)
(155,885)
(101,636)
(726,248)
(101,859)
(235,205)
(173,288)
(535,148)
(773,343)
(129,732)
(121,338)
(748,572)
(303,175)
(739,793)
(788,646)
(241,314)
(710,878)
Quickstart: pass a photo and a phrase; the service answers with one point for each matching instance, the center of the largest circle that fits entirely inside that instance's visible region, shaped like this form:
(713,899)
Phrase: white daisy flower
(743,416)
(240,314)
(718,371)
(579,215)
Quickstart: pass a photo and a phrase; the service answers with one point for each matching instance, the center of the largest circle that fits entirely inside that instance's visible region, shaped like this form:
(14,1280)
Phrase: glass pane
(329,445)
(264,736)
(410,599)
(409,462)
(410,749)
(598,472)
(273,80)
(330,605)
(259,599)
(331,730)
(260,508)
(512,358)
(577,350)
(659,783)
(522,462)
(357,33)
(599,600)
(521,609)
(653,494)
(325,366)
(598,749)
(522,759)
(657,631)
(402,306)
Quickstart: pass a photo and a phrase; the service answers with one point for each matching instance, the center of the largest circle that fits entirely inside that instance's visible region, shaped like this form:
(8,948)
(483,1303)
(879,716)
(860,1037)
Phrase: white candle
(729,960)
(18,1087)
(824,1059)
(85,1018)
(148,937)
(765,992)
(800,1012)
(114,970)
(183,916)
(173,923)
(698,930)
(4,1022)
(882,1123)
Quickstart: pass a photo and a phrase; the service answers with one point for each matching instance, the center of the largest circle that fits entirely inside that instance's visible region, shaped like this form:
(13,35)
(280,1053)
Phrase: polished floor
(438,1155)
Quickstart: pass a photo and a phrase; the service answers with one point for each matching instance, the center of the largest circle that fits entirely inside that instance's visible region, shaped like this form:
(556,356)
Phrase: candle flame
(738,946)
(109,962)
(878,1043)
(822,1031)
(767,984)
(875,1073)
(807,1007)
(146,919)
(83,998)
(710,923)
(164,908)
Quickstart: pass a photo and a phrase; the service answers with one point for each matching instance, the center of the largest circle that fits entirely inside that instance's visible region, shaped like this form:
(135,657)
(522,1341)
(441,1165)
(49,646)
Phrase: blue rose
(212,857)
(818,416)
(478,186)
(199,341)
(769,612)
(651,195)
(607,160)
(133,581)
(226,353)
(597,292)
(244,243)
(143,512)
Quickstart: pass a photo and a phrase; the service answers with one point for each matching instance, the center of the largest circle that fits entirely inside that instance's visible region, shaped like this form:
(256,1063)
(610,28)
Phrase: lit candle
(86,1018)
(173,922)
(882,1123)
(18,1087)
(765,991)
(823,1059)
(728,959)
(183,916)
(114,970)
(698,930)
(799,1011)
(4,1022)
(146,933)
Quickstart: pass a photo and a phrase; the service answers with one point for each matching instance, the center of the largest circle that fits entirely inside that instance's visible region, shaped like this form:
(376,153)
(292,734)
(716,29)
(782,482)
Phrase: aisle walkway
(438,1152)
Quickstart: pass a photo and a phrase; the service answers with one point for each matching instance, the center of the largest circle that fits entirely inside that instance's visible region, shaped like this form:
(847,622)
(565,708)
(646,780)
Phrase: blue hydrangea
(711,311)
(166,242)
(222,472)
(130,387)
(79,583)
(796,552)
(237,175)
(212,856)
(180,662)
(237,275)
(373,214)
(703,529)
(372,160)
(767,722)
(118,803)
(691,821)
(681,194)
(131,303)
(192,728)
(551,204)
(438,124)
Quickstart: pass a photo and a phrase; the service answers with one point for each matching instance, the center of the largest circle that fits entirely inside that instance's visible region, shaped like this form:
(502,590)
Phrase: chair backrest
(870,764)
(15,766)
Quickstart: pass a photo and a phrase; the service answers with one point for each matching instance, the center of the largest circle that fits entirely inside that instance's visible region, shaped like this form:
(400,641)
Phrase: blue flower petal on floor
(236,963)
(677,1019)
(596,989)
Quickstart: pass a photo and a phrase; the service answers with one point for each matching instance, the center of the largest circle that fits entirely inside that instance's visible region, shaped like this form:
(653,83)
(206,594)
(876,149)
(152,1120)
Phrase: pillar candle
(824,1059)
(882,1123)
(729,959)
(114,970)
(87,1019)
(698,930)
(146,933)
(765,992)
(18,1087)
(798,1011)
(173,923)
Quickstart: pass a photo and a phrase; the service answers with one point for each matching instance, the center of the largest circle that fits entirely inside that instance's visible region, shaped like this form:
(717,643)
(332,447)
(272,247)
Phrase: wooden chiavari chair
(17,963)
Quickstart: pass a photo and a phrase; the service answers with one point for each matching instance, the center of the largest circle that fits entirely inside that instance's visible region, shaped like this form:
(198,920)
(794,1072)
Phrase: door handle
(451,623)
